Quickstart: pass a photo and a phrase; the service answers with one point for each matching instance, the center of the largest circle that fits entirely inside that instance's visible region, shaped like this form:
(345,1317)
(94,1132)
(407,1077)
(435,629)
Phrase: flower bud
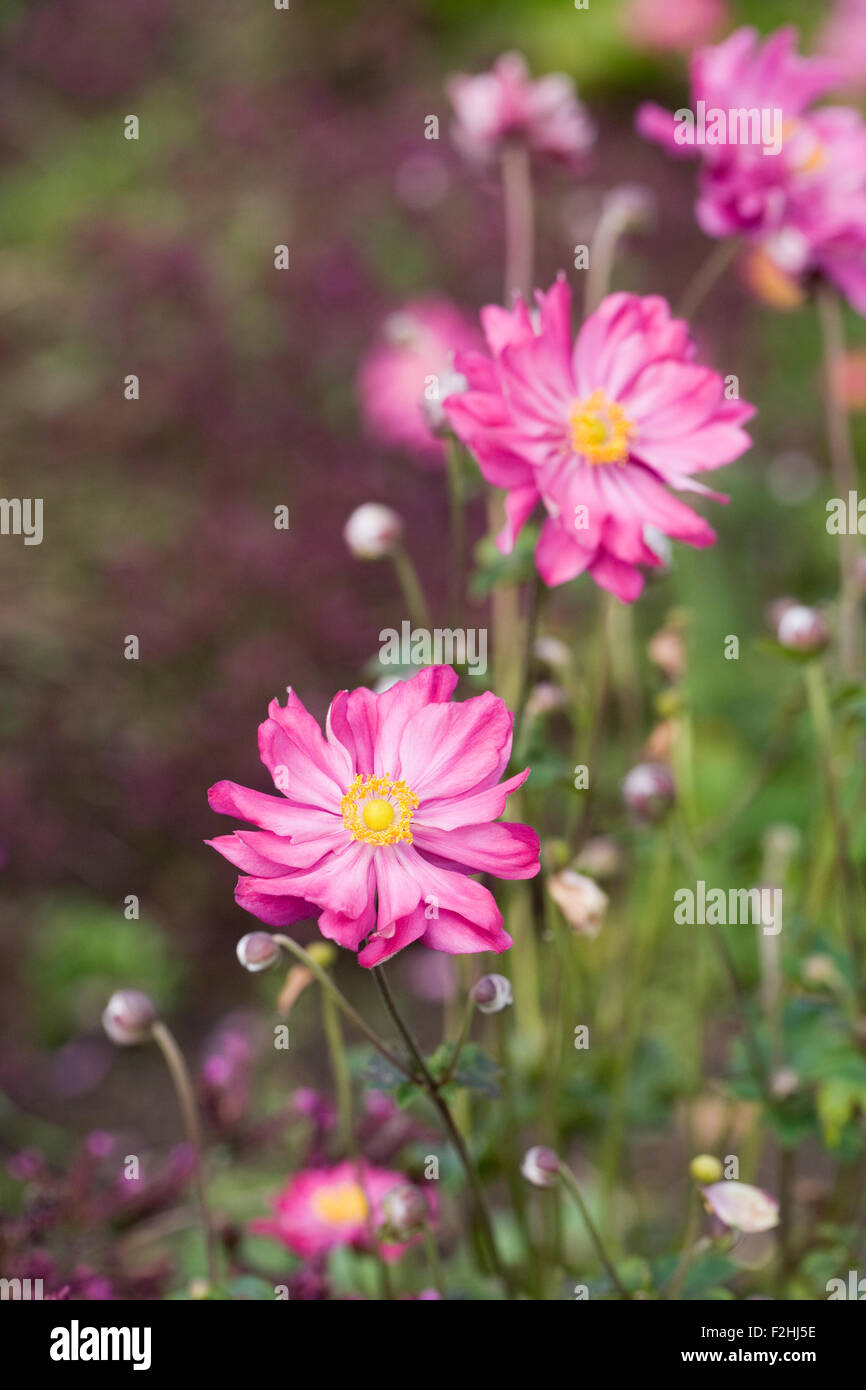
(742,1207)
(372,531)
(803,629)
(492,994)
(784,1083)
(545,698)
(322,952)
(705,1169)
(257,951)
(649,791)
(540,1166)
(580,900)
(129,1017)
(405,1210)
(553,652)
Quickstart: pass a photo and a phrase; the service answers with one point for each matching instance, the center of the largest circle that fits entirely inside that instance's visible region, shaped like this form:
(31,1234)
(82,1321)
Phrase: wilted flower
(493,993)
(321,1208)
(540,1166)
(649,790)
(372,531)
(597,432)
(380,825)
(803,629)
(505,105)
(405,378)
(580,900)
(741,1206)
(257,951)
(406,1211)
(129,1017)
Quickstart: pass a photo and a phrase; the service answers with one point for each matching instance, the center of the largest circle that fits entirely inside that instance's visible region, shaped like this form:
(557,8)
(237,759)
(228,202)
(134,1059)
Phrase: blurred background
(156,257)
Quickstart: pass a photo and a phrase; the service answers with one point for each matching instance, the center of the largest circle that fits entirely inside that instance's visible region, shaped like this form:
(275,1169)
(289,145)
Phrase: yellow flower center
(600,429)
(379,810)
(345,1205)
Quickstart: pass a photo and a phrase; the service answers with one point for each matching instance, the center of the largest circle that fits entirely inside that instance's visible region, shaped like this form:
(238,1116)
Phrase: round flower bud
(553,652)
(372,531)
(405,1211)
(257,951)
(649,791)
(705,1169)
(492,994)
(802,629)
(540,1166)
(322,952)
(129,1017)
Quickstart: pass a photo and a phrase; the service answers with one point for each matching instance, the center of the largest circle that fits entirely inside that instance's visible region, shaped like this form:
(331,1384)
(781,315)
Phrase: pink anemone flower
(381,823)
(493,108)
(786,177)
(321,1208)
(407,374)
(597,432)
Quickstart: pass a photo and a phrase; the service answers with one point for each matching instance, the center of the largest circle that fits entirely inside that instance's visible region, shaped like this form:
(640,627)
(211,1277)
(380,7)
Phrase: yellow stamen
(379,810)
(600,429)
(345,1205)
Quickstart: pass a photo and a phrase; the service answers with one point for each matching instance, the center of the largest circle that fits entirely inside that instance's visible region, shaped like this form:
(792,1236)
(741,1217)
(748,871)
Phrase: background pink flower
(381,823)
(400,405)
(321,1208)
(806,203)
(596,432)
(505,104)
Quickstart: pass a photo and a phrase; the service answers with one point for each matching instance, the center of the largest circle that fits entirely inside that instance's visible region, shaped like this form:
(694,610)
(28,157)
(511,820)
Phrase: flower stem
(340,999)
(165,1041)
(844,476)
(519,221)
(431,1087)
(457,518)
(411,587)
(572,1185)
(708,272)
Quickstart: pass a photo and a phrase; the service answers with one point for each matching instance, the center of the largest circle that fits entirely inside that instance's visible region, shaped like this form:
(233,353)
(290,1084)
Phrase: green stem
(432,1089)
(340,999)
(572,1185)
(165,1041)
(708,272)
(411,588)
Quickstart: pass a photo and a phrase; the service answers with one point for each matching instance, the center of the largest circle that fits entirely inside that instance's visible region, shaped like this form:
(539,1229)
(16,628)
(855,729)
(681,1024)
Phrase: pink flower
(843,39)
(321,1208)
(678,27)
(505,104)
(597,432)
(796,185)
(381,823)
(405,377)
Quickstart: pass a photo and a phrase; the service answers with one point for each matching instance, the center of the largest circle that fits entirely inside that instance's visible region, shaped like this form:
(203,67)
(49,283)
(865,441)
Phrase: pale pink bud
(580,900)
(540,1166)
(803,629)
(372,531)
(649,791)
(492,994)
(257,951)
(129,1017)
